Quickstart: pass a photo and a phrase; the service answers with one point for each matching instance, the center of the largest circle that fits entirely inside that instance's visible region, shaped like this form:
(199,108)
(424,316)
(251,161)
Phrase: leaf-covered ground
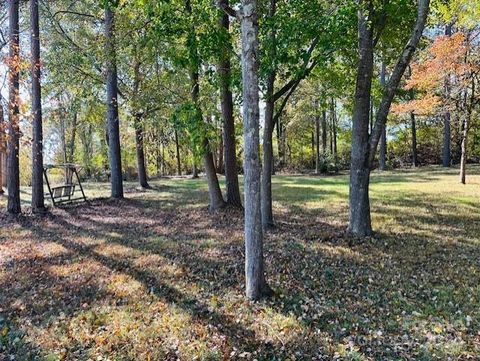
(156,277)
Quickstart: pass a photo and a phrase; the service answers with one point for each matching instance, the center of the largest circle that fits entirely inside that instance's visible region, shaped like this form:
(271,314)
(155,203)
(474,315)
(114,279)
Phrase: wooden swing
(65,194)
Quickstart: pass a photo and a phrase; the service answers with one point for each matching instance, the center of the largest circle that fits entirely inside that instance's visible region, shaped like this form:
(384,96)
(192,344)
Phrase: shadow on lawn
(340,294)
(240,337)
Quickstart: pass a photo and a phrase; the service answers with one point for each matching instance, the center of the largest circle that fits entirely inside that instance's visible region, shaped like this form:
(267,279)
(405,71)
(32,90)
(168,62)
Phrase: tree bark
(221,152)
(177,151)
(281,142)
(2,148)
(139,145)
(363,146)
(446,149)
(38,201)
(73,136)
(13,179)
(383,138)
(214,191)
(256,285)
(194,169)
(466,128)
(414,139)
(87,147)
(266,180)
(70,148)
(267,164)
(360,223)
(116,178)
(334,132)
(317,143)
(137,120)
(463,159)
(229,143)
(413,125)
(324,132)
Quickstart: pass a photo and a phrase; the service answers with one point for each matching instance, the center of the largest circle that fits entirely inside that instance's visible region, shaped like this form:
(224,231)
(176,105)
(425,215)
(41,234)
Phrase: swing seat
(65,191)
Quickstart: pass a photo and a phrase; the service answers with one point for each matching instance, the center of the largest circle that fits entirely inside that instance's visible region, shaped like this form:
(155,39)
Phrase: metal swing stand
(64,194)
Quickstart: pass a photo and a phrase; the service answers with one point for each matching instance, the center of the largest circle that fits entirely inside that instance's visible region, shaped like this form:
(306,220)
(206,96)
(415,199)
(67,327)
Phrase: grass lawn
(156,277)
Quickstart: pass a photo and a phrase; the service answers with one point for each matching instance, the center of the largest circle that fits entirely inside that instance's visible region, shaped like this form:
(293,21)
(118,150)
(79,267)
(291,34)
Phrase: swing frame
(64,194)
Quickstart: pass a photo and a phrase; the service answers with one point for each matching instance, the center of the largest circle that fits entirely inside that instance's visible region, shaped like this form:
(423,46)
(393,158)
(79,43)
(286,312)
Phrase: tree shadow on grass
(238,336)
(368,294)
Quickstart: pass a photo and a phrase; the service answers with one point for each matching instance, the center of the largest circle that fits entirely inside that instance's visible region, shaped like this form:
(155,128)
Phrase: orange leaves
(446,57)
(425,105)
(443,73)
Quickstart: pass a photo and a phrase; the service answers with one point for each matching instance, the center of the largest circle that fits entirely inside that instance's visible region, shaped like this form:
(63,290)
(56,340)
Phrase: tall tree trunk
(114,153)
(229,143)
(383,138)
(38,201)
(446,149)
(256,285)
(334,131)
(466,128)
(177,151)
(215,194)
(220,153)
(194,169)
(139,132)
(413,125)
(163,170)
(330,125)
(463,159)
(280,149)
(363,146)
(70,148)
(360,223)
(13,179)
(317,143)
(324,132)
(414,140)
(73,136)
(267,165)
(2,148)
(86,138)
(313,149)
(214,191)
(266,180)
(139,145)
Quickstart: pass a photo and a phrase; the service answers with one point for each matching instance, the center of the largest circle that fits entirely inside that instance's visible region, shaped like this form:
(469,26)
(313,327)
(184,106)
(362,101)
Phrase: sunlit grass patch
(157,277)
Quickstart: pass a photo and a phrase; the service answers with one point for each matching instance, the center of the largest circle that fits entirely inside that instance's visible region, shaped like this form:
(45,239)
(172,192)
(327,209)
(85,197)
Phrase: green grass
(156,277)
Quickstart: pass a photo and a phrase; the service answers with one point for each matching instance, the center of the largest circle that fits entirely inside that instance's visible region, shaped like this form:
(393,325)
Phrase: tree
(446,150)
(449,57)
(13,180)
(298,36)
(38,202)
(364,145)
(2,145)
(383,138)
(139,143)
(116,177)
(215,194)
(224,73)
(256,284)
(317,140)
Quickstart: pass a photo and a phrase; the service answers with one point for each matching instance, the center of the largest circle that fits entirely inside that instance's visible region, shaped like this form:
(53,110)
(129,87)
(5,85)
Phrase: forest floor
(156,277)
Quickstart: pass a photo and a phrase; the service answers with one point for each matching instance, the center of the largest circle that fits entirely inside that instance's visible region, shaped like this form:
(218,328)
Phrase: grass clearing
(156,277)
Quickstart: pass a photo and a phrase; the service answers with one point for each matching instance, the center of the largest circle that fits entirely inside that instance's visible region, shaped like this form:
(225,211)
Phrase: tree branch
(397,74)
(223,5)
(304,71)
